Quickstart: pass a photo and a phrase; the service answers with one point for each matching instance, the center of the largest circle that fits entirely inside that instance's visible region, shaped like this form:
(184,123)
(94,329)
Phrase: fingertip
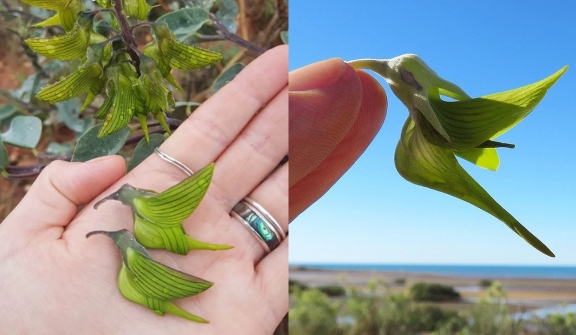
(324,99)
(367,124)
(316,76)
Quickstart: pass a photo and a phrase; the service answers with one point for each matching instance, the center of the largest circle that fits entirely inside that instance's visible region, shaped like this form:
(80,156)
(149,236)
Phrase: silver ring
(254,217)
(260,223)
(174,162)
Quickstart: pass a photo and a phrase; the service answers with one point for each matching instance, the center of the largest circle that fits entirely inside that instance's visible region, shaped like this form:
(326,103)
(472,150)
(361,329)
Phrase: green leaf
(69,112)
(7,111)
(284,36)
(29,88)
(435,167)
(24,131)
(60,149)
(227,76)
(90,146)
(143,150)
(185,22)
(227,13)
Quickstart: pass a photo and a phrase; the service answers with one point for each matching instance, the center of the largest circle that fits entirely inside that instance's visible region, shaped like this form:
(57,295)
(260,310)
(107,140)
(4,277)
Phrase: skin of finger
(321,114)
(218,121)
(370,119)
(53,199)
(254,154)
(272,273)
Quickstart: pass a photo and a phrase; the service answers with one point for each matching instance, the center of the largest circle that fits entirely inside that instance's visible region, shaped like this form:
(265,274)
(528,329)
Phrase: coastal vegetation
(422,309)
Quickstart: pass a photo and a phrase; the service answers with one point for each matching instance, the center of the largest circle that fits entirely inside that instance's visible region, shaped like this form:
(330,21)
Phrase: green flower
(120,103)
(170,54)
(437,131)
(158,217)
(146,282)
(87,79)
(70,46)
(66,12)
(155,97)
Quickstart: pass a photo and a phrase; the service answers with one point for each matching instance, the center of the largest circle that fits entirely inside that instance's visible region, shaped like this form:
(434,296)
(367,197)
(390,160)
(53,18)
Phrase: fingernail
(317,75)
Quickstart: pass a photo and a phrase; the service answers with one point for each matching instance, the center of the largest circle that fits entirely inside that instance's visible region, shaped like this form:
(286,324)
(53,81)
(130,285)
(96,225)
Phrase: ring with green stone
(260,223)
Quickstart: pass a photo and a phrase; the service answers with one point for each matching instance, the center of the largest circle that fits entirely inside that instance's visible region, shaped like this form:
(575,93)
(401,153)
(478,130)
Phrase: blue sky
(372,215)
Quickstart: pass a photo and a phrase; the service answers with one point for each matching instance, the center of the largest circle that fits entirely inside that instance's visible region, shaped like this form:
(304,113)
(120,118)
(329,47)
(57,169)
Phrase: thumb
(53,199)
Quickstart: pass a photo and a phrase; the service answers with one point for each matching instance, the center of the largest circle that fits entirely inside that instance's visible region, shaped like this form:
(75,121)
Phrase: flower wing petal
(435,167)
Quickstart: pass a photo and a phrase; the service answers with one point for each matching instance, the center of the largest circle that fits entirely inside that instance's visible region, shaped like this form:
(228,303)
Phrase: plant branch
(126,32)
(31,171)
(233,37)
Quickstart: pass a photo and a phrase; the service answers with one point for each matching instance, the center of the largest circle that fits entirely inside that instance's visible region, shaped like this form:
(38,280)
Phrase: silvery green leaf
(24,131)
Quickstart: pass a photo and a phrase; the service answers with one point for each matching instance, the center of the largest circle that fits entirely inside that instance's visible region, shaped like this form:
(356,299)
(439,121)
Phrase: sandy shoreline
(527,292)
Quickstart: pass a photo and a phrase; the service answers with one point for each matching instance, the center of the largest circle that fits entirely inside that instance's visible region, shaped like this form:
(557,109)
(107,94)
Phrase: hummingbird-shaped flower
(169,53)
(120,103)
(66,12)
(73,45)
(88,78)
(436,131)
(158,217)
(146,282)
(155,97)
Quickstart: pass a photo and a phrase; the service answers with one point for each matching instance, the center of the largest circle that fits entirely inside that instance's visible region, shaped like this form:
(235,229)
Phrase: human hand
(55,281)
(335,112)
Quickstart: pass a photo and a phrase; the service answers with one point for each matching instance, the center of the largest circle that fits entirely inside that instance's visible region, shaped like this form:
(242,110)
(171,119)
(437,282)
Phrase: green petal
(483,157)
(154,236)
(434,167)
(105,108)
(137,8)
(158,281)
(51,21)
(179,55)
(48,4)
(69,15)
(122,109)
(174,205)
(77,83)
(104,3)
(151,50)
(471,122)
(66,47)
(187,57)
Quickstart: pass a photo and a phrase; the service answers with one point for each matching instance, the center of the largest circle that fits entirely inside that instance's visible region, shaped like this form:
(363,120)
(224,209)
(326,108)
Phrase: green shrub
(294,285)
(400,281)
(433,292)
(313,314)
(485,283)
(332,290)
(430,318)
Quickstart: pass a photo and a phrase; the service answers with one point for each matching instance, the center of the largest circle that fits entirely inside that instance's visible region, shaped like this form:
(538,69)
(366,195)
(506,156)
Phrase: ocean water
(473,271)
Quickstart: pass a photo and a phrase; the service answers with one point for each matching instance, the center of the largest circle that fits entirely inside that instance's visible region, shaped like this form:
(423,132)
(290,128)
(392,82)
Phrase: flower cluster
(109,68)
